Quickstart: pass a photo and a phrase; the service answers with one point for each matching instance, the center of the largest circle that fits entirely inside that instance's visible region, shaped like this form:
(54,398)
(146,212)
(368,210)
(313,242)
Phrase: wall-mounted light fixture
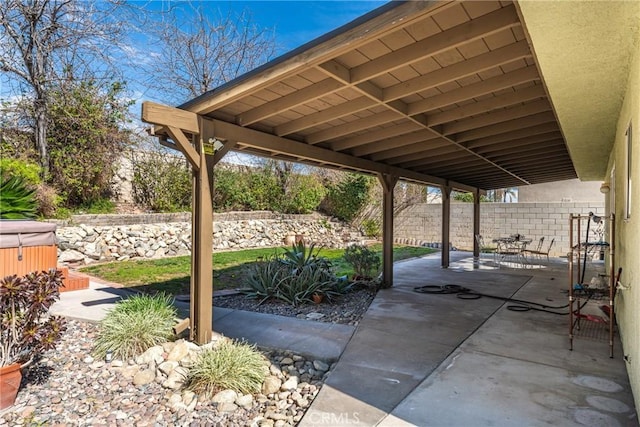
(217,143)
(604,188)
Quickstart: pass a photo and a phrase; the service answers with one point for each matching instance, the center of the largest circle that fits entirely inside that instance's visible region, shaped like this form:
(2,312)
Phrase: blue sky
(295,22)
(298,22)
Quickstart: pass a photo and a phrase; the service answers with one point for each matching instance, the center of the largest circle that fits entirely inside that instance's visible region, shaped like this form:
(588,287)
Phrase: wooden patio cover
(436,92)
(428,91)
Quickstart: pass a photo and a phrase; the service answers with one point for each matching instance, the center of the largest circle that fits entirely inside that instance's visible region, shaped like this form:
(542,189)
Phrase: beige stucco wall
(572,190)
(628,231)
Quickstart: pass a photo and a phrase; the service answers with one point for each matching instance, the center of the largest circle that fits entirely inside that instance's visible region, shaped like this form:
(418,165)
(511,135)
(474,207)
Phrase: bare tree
(42,41)
(197,53)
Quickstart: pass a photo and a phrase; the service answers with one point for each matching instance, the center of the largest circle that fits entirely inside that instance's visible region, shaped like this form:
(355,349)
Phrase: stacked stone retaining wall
(97,239)
(421,224)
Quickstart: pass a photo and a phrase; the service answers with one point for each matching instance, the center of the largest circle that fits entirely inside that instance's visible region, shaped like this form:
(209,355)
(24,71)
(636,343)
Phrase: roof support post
(177,124)
(476,223)
(446,220)
(388,183)
(201,248)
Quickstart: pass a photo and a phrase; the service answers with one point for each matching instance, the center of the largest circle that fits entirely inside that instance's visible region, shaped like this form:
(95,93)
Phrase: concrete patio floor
(437,360)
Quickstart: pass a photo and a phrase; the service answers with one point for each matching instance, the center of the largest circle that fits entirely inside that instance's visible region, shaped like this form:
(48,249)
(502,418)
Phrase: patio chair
(541,253)
(483,247)
(509,253)
(535,251)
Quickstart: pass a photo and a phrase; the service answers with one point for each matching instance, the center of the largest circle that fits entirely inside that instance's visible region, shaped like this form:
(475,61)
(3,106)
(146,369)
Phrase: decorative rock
(245,401)
(70,256)
(271,385)
(225,396)
(227,407)
(314,316)
(175,401)
(290,384)
(179,351)
(167,367)
(320,365)
(286,361)
(144,377)
(175,381)
(152,355)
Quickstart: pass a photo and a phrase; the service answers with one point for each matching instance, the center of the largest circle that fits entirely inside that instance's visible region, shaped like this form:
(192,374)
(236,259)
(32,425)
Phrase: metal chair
(509,253)
(483,247)
(537,249)
(541,253)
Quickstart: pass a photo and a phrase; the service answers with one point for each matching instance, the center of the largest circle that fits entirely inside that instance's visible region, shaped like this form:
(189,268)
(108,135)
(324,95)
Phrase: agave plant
(294,277)
(300,255)
(17,201)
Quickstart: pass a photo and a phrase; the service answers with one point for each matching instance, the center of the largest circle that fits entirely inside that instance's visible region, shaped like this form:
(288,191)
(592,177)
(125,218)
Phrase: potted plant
(26,328)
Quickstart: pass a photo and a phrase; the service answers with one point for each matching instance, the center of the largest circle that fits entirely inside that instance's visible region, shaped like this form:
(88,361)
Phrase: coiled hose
(466,293)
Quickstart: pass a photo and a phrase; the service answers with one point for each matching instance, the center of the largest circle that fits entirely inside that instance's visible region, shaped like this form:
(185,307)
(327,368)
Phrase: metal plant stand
(581,324)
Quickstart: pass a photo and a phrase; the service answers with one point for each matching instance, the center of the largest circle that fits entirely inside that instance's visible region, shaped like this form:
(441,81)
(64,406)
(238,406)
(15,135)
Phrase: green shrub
(86,136)
(302,195)
(17,201)
(28,171)
(230,365)
(99,206)
(371,228)
(346,199)
(162,183)
(364,261)
(265,278)
(136,324)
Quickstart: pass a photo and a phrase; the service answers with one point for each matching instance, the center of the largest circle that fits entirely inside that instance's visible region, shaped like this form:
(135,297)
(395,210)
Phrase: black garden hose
(466,293)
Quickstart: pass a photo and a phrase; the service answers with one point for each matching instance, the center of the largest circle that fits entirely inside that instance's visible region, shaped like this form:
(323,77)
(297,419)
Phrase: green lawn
(171,275)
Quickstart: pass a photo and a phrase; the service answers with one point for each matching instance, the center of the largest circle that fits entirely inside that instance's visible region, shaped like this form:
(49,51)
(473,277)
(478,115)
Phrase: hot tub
(27,246)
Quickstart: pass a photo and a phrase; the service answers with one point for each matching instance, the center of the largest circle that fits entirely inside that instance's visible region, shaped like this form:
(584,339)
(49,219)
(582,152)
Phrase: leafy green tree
(346,198)
(302,195)
(85,139)
(467,197)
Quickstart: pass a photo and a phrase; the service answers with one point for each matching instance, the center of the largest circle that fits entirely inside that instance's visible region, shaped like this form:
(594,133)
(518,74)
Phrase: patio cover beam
(274,144)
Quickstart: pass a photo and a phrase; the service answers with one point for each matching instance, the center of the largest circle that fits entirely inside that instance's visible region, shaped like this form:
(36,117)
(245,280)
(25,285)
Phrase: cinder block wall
(423,222)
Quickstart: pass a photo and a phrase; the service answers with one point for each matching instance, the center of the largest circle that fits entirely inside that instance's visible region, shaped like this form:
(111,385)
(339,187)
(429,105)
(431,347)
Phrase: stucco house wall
(572,190)
(628,230)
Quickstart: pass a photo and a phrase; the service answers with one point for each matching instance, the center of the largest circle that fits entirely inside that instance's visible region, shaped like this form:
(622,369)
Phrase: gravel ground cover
(68,387)
(348,309)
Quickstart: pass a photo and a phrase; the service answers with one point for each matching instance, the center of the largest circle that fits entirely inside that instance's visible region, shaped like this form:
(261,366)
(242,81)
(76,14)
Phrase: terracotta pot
(10,377)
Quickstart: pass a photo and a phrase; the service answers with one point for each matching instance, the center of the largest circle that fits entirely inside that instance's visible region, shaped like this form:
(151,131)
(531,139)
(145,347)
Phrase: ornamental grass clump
(136,324)
(231,365)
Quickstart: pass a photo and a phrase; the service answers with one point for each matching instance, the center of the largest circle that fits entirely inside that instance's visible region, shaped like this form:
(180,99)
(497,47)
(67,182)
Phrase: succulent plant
(26,328)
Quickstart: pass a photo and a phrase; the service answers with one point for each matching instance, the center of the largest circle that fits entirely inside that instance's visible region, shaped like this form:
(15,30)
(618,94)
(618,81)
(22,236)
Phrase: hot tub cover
(16,233)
